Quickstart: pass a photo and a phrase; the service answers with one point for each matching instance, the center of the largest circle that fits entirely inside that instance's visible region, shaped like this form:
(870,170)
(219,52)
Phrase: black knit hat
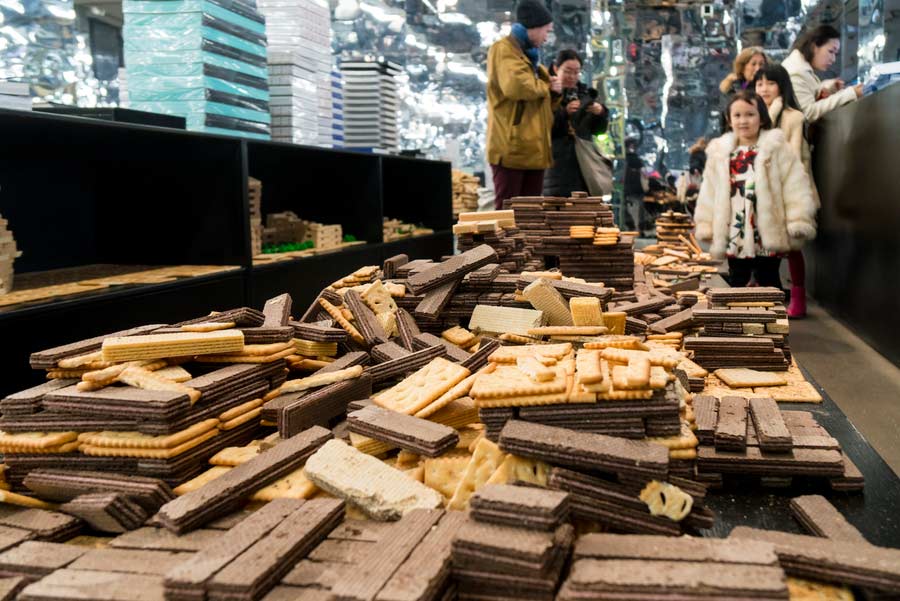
(533,13)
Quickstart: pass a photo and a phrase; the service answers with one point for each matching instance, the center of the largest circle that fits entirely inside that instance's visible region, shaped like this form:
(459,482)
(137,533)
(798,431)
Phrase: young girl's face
(767,90)
(745,120)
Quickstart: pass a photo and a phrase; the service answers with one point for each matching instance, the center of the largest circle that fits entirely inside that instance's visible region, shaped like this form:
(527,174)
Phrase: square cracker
(518,469)
(457,392)
(378,298)
(234,456)
(749,378)
(443,473)
(794,392)
(485,461)
(423,387)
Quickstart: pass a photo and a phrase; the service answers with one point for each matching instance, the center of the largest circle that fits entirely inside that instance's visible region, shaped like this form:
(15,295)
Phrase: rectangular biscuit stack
(609,566)
(754,437)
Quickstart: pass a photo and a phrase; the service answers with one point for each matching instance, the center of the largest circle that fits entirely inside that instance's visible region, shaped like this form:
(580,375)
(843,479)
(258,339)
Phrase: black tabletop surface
(875,512)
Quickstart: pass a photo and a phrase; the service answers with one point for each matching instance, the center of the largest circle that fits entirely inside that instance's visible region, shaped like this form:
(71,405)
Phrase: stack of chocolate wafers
(498,230)
(518,506)
(492,562)
(718,352)
(755,438)
(610,566)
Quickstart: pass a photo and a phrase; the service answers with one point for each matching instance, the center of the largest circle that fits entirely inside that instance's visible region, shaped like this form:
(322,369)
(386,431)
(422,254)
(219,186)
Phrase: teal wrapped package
(204,60)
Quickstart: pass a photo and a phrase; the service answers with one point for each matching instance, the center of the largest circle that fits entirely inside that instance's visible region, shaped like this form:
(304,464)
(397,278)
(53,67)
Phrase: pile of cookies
(465,192)
(153,401)
(577,233)
(498,230)
(754,437)
(372,448)
(396,229)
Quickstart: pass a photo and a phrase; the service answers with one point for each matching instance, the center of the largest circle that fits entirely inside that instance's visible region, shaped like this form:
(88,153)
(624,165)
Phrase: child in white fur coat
(755,201)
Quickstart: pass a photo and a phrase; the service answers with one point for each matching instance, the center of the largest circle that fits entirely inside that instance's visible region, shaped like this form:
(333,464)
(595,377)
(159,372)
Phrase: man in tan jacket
(521,96)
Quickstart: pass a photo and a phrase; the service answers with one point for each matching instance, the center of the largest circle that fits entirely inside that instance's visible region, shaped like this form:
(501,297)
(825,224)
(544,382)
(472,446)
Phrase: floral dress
(744,241)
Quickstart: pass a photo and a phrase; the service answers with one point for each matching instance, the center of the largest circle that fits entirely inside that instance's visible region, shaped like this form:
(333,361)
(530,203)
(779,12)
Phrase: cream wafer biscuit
(379,490)
(544,297)
(586,311)
(158,346)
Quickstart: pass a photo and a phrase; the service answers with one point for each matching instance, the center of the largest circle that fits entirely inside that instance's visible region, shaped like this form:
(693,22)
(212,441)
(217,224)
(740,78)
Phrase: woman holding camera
(578,119)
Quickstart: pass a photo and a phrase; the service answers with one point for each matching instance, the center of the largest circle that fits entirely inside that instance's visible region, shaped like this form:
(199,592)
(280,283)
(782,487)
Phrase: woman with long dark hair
(816,50)
(773,85)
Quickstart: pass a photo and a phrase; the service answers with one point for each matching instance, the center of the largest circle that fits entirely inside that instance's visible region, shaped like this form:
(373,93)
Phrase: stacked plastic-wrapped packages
(204,60)
(337,110)
(370,105)
(300,65)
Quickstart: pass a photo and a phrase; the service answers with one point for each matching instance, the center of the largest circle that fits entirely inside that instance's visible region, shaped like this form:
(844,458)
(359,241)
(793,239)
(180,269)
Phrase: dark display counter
(855,261)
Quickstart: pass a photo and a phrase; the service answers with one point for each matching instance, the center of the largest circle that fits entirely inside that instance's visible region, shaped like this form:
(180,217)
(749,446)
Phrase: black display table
(742,502)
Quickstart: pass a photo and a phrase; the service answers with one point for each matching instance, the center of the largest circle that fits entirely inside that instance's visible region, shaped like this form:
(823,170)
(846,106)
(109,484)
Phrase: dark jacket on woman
(565,176)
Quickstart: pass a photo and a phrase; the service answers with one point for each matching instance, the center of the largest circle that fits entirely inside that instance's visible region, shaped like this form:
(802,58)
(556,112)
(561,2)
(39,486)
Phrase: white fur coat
(785,210)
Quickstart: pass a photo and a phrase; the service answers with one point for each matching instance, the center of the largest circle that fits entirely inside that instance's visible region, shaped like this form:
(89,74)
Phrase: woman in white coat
(773,85)
(816,50)
(755,202)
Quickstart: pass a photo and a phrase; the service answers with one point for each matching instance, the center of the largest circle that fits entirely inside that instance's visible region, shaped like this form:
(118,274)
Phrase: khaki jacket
(520,109)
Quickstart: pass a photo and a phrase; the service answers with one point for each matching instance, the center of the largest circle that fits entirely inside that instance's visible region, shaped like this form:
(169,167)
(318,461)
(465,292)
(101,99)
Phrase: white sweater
(807,86)
(785,210)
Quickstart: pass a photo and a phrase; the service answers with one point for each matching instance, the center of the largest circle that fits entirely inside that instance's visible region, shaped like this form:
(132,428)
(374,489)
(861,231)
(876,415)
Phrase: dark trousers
(509,183)
(763,269)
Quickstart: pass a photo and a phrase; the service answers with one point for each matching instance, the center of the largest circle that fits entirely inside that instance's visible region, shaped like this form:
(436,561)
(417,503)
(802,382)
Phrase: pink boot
(797,308)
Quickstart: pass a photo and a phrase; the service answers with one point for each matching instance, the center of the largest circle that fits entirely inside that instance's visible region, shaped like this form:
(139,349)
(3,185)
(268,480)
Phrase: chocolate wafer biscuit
(405,431)
(454,268)
(821,518)
(584,450)
(222,495)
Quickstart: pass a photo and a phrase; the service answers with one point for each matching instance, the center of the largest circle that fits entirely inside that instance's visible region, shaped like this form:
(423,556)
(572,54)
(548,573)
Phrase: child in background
(755,201)
(773,85)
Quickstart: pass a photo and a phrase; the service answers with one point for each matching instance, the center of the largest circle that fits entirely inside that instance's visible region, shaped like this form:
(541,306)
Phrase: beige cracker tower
(8,254)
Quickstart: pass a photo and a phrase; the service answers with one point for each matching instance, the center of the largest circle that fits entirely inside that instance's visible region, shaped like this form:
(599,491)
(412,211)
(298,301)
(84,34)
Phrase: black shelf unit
(79,192)
(414,190)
